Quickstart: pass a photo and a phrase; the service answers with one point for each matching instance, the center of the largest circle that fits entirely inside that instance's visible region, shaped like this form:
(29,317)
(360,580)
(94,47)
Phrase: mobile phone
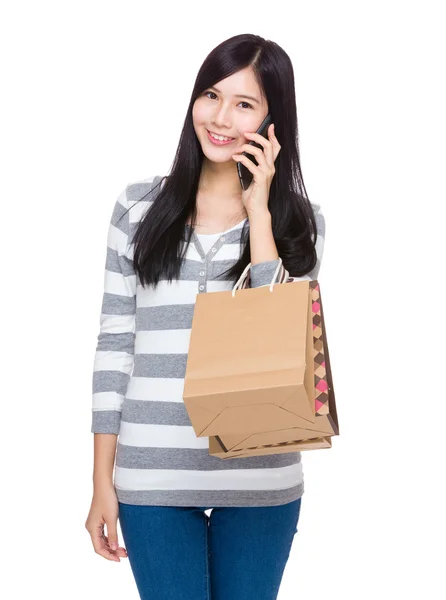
(244,174)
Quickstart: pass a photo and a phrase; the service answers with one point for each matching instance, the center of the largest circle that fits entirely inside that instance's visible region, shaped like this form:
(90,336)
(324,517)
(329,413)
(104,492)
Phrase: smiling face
(230,108)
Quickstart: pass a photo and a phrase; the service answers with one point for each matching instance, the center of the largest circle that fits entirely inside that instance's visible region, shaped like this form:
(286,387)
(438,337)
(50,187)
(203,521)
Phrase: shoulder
(320,219)
(143,189)
(138,196)
(316,207)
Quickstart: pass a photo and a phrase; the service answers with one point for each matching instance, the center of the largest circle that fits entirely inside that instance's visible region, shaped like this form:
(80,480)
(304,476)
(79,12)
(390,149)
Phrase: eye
(242,102)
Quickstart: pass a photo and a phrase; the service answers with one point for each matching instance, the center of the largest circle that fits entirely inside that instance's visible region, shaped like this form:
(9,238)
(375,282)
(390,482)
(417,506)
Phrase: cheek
(247,122)
(199,113)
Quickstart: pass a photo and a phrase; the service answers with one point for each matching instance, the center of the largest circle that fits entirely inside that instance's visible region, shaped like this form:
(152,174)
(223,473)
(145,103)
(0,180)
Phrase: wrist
(102,481)
(259,216)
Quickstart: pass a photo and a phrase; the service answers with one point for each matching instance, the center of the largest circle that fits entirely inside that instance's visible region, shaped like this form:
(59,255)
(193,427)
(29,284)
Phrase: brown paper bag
(246,369)
(314,436)
(217,449)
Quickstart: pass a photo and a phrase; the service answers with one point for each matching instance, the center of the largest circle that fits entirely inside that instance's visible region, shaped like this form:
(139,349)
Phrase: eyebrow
(237,95)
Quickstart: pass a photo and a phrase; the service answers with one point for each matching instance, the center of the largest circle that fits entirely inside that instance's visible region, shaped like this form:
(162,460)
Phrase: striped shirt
(139,368)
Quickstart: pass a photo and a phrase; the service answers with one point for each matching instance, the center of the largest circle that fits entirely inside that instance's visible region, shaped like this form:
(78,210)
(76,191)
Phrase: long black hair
(160,234)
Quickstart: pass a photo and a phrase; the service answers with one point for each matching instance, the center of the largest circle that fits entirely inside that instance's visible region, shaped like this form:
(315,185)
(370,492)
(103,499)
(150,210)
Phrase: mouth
(219,142)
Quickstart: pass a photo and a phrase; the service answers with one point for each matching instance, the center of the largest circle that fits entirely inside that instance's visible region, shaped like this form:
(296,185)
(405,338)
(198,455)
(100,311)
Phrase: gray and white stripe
(139,369)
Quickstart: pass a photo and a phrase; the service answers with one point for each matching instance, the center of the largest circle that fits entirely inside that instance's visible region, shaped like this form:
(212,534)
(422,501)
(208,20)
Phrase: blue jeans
(181,553)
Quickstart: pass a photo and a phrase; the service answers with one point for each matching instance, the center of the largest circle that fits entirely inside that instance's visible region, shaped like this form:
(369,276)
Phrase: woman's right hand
(104,510)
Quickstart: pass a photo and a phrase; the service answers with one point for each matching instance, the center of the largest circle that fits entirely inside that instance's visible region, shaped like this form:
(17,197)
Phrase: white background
(94,96)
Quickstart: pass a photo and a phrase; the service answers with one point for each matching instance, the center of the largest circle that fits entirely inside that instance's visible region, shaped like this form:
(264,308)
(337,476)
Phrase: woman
(169,239)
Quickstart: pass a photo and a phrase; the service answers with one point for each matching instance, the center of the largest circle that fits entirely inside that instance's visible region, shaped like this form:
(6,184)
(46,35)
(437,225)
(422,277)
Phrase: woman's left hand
(255,198)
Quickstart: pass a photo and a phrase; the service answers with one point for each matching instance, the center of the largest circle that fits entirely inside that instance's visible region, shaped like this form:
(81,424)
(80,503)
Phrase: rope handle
(241,283)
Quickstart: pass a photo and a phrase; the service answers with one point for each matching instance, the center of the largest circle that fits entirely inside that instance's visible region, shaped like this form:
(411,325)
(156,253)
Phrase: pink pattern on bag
(322,385)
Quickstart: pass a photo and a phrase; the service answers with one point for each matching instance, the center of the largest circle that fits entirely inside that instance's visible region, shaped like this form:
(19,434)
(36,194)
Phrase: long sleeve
(261,274)
(320,240)
(113,361)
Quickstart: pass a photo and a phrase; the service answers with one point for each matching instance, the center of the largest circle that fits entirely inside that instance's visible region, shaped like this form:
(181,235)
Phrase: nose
(221,119)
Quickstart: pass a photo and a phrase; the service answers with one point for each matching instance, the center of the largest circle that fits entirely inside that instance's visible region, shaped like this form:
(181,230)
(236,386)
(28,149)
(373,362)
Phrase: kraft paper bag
(314,436)
(247,365)
(217,449)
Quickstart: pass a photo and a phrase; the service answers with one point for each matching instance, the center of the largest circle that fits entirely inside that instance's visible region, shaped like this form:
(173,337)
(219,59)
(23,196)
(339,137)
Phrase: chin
(219,159)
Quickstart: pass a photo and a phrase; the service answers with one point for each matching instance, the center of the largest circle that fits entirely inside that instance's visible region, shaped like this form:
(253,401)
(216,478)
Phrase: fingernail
(114,545)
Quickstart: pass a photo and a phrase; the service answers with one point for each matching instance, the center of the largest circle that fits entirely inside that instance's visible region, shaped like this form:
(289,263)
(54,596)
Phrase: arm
(104,460)
(113,361)
(320,240)
(264,255)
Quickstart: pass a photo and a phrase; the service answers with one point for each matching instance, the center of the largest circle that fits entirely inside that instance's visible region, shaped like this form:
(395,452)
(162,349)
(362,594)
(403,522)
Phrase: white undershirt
(207,240)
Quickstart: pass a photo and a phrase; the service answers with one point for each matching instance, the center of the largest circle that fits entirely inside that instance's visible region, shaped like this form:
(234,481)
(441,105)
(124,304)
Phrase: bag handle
(242,279)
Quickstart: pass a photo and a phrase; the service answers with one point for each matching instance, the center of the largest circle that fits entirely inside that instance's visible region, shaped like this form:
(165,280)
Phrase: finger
(258,153)
(267,145)
(256,137)
(112,534)
(100,544)
(259,139)
(247,162)
(274,141)
(120,550)
(265,165)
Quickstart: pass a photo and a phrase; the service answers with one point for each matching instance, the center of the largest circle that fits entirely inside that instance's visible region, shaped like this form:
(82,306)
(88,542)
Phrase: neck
(220,181)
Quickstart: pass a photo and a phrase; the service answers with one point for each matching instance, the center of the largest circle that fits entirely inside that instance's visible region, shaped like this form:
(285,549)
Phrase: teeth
(219,137)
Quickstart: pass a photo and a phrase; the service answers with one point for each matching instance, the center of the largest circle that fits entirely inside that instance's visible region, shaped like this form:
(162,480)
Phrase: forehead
(241,82)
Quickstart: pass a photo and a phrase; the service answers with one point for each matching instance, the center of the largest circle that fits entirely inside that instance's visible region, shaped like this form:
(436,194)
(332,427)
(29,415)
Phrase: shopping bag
(247,365)
(313,436)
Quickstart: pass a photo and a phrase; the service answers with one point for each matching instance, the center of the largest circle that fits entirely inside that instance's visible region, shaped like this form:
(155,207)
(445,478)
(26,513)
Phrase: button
(203,260)
(222,238)
(214,249)
(201,287)
(201,272)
